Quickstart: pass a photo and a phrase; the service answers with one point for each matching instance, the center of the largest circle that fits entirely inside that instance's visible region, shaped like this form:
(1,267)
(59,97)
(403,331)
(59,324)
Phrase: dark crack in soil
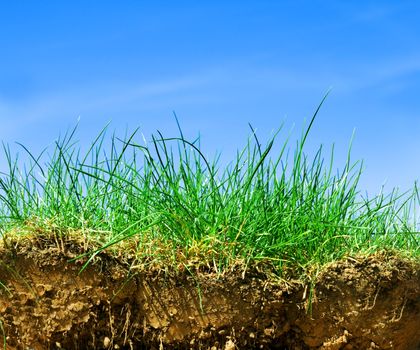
(357,303)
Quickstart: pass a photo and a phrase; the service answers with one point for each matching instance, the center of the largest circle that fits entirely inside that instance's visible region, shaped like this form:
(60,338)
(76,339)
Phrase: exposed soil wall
(358,303)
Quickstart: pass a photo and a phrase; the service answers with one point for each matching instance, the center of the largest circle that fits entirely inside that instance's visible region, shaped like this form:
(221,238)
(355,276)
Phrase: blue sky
(219,65)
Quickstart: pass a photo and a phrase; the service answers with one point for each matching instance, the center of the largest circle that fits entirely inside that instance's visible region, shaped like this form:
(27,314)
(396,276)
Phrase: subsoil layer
(370,302)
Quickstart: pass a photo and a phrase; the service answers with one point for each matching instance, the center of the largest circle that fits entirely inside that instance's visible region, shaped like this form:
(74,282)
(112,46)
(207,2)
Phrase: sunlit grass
(175,204)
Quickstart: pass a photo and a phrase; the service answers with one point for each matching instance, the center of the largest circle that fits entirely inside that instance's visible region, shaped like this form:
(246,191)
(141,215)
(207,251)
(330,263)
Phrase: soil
(370,302)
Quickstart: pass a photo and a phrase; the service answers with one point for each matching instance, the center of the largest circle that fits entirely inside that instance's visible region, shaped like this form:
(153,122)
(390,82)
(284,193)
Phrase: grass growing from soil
(168,204)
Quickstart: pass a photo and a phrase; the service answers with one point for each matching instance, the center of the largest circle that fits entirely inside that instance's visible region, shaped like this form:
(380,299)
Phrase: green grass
(173,204)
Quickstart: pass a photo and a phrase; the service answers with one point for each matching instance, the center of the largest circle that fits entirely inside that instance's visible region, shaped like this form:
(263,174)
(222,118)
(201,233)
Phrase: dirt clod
(358,303)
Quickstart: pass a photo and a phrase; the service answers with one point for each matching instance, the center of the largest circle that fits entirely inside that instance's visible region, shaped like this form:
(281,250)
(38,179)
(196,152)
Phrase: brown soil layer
(358,303)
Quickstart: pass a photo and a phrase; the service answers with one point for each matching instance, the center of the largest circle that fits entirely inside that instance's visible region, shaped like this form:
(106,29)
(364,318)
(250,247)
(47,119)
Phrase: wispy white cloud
(374,74)
(373,13)
(346,77)
(116,96)
(93,97)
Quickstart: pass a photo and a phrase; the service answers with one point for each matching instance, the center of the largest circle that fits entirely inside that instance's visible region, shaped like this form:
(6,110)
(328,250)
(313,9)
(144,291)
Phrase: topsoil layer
(358,303)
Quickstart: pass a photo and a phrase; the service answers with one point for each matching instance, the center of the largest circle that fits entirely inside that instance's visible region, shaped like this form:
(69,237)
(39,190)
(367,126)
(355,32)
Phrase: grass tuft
(177,207)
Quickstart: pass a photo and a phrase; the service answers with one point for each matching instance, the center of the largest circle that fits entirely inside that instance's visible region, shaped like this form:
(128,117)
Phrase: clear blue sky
(219,65)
